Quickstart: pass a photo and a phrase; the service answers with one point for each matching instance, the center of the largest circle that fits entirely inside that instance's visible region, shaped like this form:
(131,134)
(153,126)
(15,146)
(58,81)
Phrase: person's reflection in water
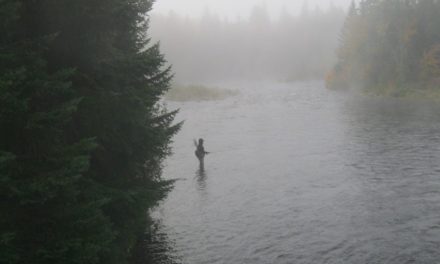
(201,177)
(201,173)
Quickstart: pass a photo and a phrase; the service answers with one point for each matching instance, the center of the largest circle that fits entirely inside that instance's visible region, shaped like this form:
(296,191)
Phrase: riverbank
(409,91)
(414,91)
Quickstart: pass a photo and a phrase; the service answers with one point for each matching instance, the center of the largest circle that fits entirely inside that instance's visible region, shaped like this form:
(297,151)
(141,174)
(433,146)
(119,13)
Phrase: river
(301,174)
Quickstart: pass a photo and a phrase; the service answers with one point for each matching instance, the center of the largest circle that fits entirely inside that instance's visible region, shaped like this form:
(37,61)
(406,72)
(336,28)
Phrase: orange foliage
(431,62)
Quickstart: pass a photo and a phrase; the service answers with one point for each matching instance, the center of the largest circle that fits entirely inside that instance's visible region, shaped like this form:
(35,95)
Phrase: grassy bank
(182,93)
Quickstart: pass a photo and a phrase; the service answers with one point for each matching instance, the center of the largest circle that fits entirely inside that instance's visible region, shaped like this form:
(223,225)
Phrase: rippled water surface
(300,174)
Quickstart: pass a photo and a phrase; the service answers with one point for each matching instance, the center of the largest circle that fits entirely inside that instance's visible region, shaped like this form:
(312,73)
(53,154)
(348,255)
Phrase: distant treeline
(390,47)
(82,135)
(289,48)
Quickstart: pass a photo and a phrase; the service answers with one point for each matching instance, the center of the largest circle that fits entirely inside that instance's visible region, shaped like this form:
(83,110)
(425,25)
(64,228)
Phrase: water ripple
(299,174)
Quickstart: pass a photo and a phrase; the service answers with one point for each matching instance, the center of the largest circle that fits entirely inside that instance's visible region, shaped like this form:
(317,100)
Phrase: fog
(234,9)
(220,132)
(297,173)
(285,47)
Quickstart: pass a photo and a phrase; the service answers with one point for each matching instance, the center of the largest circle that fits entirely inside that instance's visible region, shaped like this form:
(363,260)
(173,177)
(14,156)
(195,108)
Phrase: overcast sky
(238,8)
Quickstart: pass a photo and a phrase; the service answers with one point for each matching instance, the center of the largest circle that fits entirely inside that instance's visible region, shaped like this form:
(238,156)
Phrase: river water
(301,174)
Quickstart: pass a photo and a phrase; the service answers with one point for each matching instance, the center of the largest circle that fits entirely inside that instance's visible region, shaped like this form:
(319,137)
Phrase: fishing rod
(215,152)
(197,145)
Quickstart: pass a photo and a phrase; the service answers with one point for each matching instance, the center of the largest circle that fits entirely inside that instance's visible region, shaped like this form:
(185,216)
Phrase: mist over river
(301,174)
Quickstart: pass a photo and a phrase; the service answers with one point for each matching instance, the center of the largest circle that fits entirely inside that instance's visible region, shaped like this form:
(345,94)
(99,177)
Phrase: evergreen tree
(82,132)
(348,48)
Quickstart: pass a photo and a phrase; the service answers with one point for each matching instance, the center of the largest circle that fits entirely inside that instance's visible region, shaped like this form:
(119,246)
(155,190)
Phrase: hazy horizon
(208,49)
(231,9)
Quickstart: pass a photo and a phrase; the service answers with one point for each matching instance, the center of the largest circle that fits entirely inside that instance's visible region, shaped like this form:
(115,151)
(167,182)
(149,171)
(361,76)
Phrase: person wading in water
(200,152)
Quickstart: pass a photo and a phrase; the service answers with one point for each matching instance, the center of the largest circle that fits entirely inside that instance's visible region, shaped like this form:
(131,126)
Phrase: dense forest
(82,133)
(390,47)
(212,48)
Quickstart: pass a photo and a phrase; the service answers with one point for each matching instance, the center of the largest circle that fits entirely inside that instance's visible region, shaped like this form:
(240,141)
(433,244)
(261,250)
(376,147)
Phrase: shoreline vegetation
(391,49)
(198,92)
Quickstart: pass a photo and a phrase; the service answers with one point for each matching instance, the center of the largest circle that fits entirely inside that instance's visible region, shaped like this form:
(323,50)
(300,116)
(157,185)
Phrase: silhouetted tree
(82,134)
